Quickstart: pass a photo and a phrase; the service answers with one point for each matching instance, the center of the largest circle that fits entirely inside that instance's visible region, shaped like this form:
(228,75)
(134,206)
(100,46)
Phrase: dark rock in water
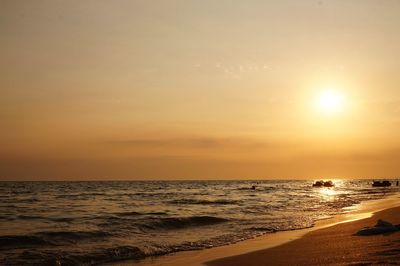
(381,227)
(382,223)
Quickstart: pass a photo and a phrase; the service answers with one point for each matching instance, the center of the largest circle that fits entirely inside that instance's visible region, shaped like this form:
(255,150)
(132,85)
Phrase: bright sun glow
(330,101)
(327,192)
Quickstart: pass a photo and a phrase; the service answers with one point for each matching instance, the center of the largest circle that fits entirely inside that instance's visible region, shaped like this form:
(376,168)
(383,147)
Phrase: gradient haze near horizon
(197,89)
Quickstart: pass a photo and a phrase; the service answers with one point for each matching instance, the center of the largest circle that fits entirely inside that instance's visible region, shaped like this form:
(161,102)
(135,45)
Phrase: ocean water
(85,223)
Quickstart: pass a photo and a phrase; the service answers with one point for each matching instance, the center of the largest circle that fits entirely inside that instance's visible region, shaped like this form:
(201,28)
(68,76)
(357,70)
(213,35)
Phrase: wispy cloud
(187,142)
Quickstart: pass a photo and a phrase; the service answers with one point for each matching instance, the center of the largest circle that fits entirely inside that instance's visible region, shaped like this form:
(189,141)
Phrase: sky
(205,89)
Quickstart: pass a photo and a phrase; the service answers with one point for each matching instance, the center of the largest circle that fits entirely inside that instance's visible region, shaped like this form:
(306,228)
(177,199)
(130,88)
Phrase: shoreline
(335,245)
(362,211)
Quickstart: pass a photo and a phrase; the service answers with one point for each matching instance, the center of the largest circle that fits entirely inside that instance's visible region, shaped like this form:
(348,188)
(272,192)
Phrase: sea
(92,223)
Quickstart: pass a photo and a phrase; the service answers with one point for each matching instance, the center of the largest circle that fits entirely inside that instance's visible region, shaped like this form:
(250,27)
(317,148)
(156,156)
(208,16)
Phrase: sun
(330,101)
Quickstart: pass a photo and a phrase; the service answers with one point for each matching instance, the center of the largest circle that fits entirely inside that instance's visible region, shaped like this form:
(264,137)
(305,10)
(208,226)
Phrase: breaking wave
(49,238)
(204,202)
(183,222)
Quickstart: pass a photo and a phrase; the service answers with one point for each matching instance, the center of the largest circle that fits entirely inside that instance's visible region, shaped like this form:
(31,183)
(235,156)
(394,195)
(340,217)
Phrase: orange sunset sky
(188,89)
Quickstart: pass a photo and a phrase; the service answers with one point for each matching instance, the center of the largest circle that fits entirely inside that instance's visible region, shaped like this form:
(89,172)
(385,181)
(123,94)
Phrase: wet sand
(330,241)
(336,245)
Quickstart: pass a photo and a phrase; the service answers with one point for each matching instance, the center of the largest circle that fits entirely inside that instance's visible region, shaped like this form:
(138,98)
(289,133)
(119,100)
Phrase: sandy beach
(329,242)
(336,245)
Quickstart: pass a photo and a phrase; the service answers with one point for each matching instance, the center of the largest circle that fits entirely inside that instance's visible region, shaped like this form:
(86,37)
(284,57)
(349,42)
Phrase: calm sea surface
(75,223)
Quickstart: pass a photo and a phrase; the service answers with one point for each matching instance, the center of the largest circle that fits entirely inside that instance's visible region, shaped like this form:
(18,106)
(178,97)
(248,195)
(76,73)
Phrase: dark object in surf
(381,184)
(322,183)
(381,227)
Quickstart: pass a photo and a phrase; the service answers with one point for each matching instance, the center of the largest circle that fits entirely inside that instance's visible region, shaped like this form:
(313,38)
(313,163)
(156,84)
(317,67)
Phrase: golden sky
(187,89)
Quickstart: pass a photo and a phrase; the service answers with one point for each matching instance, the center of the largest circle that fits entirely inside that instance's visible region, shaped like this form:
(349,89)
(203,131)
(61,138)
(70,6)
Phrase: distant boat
(384,183)
(322,183)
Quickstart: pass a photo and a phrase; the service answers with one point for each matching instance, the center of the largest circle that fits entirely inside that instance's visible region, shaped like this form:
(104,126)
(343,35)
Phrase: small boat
(384,183)
(322,183)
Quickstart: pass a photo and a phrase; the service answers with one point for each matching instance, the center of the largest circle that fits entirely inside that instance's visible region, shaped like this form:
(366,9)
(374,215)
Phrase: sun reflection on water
(328,192)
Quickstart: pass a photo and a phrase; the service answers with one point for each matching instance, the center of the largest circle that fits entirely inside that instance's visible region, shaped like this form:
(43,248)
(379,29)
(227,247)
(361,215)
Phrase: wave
(85,195)
(72,235)
(204,202)
(104,256)
(36,217)
(49,238)
(99,256)
(22,241)
(134,213)
(6,218)
(29,217)
(263,229)
(183,222)
(126,219)
(257,188)
(62,219)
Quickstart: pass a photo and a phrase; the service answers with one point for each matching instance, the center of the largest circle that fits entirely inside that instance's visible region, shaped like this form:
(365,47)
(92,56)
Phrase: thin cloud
(202,142)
